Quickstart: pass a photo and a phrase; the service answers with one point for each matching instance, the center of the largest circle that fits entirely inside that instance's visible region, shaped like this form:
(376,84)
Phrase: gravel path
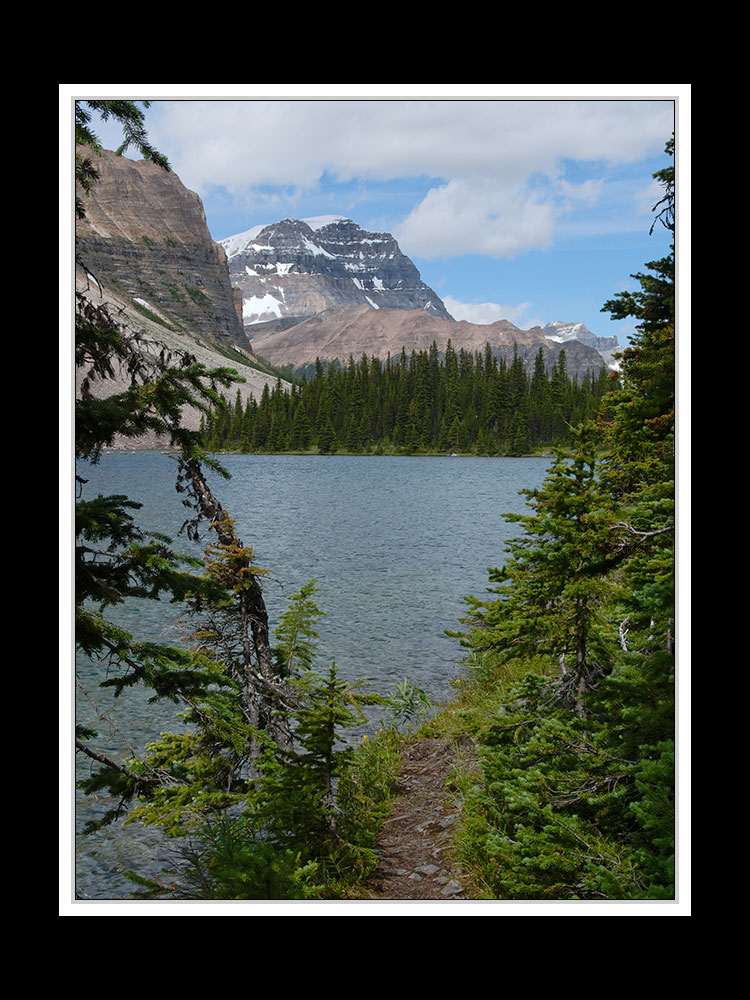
(415,844)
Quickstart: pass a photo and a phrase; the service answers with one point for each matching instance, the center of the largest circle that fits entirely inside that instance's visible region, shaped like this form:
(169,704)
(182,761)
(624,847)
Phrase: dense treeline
(462,402)
(573,656)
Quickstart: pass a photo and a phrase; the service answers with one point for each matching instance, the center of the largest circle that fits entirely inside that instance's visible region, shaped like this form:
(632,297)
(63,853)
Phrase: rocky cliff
(145,237)
(335,334)
(564,333)
(297,268)
(157,336)
(144,252)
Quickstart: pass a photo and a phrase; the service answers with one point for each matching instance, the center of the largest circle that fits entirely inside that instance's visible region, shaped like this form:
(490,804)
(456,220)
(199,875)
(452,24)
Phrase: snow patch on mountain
(319,221)
(560,332)
(563,333)
(242,241)
(260,309)
(313,248)
(322,262)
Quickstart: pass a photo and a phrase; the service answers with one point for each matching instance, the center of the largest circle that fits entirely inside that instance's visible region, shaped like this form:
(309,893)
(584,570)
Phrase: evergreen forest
(563,721)
(463,402)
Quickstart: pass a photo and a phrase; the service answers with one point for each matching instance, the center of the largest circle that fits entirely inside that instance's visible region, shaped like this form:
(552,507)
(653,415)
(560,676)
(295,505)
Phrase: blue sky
(523,206)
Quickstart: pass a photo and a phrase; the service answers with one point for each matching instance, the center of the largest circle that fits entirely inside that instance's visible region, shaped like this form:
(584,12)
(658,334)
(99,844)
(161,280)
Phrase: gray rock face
(294,269)
(145,236)
(563,333)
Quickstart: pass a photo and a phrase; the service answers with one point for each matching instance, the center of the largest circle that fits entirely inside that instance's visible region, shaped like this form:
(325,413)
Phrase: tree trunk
(262,688)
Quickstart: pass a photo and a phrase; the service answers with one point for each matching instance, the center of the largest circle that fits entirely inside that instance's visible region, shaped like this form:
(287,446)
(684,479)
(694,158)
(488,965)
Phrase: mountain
(563,333)
(145,236)
(303,288)
(144,251)
(324,287)
(335,334)
(297,268)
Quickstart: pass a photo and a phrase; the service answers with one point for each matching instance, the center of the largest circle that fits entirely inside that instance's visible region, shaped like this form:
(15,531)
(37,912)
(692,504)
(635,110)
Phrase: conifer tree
(296,801)
(579,764)
(418,405)
(301,433)
(548,588)
(115,561)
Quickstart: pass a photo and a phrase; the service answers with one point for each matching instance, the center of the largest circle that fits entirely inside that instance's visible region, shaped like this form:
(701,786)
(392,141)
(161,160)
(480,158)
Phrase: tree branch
(139,779)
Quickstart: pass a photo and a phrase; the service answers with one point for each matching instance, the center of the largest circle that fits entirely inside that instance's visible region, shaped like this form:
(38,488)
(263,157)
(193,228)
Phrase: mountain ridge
(337,334)
(321,277)
(296,268)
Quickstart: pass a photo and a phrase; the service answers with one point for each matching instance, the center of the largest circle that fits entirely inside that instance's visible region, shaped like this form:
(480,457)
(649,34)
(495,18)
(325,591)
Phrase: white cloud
(488,312)
(474,216)
(290,142)
(493,170)
(589,192)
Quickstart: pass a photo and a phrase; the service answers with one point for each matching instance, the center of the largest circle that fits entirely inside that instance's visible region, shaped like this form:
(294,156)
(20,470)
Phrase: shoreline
(336,454)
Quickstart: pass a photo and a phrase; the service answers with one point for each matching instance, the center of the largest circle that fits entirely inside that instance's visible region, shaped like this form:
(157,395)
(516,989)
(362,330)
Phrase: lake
(394,543)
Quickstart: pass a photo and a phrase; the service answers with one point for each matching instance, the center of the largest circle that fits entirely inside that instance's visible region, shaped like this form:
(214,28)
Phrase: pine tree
(296,802)
(326,436)
(579,759)
(301,432)
(295,634)
(519,438)
(548,593)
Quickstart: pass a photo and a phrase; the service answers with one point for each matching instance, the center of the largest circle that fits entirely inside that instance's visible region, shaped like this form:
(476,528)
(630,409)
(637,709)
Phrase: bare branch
(623,630)
(640,536)
(139,779)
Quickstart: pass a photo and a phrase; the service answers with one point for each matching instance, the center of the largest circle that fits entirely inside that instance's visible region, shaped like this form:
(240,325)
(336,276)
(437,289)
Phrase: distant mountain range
(563,333)
(344,332)
(284,293)
(324,287)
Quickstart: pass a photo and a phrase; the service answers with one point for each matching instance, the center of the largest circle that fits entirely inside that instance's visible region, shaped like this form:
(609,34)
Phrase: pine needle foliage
(573,654)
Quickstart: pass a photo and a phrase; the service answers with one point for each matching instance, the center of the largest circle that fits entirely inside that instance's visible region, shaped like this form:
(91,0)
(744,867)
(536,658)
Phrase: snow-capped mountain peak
(562,333)
(293,269)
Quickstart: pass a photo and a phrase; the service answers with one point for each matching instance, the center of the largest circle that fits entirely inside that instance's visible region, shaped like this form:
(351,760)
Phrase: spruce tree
(579,758)
(301,432)
(326,436)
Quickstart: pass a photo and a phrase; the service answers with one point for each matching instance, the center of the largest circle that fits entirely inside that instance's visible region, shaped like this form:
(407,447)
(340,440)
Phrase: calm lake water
(394,544)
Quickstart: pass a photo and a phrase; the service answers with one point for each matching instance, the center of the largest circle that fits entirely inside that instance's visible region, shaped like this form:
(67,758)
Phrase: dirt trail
(415,844)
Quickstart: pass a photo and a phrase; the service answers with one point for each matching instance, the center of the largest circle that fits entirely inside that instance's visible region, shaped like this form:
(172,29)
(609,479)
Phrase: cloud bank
(485,313)
(493,172)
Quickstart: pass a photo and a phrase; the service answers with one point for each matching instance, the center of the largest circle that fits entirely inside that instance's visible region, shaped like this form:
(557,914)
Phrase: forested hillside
(464,402)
